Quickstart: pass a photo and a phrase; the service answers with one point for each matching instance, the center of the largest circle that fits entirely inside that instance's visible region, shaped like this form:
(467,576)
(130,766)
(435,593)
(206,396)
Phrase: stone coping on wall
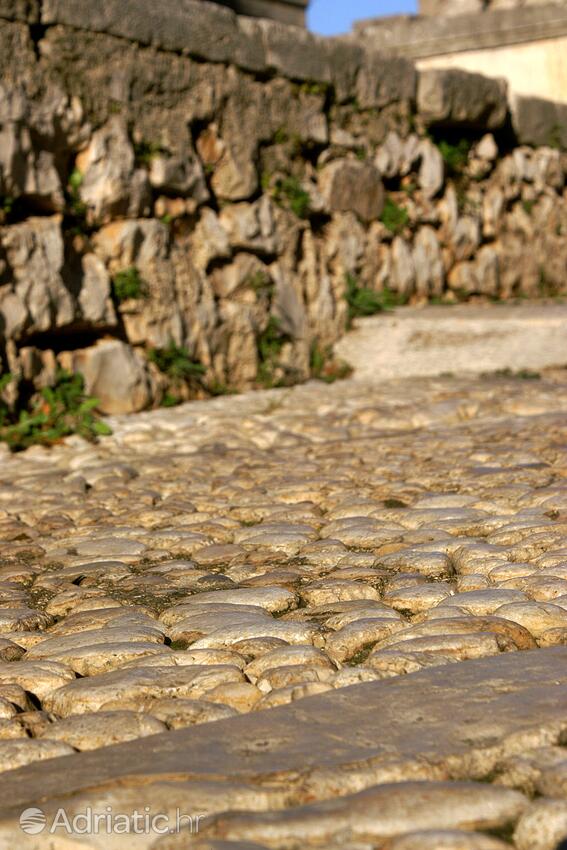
(204,31)
(368,74)
(420,37)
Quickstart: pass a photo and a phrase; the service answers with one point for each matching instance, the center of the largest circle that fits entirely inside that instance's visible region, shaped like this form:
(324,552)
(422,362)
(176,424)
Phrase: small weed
(170,400)
(217,388)
(361,656)
(260,282)
(269,345)
(176,362)
(324,367)
(455,156)
(77,207)
(366,302)
(520,375)
(281,136)
(127,284)
(528,206)
(57,412)
(145,152)
(6,207)
(313,88)
(394,217)
(361,301)
(289,192)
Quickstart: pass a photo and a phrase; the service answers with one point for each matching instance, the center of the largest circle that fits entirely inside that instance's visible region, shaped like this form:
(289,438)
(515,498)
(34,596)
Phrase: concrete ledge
(418,37)
(437,340)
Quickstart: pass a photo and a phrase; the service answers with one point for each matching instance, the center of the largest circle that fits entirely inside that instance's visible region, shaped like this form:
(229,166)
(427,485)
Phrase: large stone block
(385,79)
(453,98)
(294,53)
(195,28)
(539,122)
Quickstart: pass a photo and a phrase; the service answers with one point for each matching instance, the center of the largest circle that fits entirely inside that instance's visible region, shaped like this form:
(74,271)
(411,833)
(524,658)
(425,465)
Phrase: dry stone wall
(189,200)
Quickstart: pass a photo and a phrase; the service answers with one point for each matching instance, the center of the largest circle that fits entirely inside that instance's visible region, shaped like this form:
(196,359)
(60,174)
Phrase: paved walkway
(328,617)
(435,340)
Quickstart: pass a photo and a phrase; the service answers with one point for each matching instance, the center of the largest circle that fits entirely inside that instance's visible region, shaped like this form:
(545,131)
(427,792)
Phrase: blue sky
(329,17)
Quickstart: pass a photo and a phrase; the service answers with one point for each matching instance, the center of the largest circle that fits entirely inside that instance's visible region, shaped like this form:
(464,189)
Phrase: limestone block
(348,185)
(539,122)
(114,374)
(453,98)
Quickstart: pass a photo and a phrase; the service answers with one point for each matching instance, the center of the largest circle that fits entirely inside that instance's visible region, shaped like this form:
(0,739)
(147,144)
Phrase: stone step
(437,340)
(430,726)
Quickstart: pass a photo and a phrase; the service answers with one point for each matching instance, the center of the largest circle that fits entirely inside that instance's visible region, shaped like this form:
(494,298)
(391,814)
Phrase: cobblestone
(231,556)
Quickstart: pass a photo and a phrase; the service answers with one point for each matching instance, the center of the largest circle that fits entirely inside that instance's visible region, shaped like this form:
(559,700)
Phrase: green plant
(170,400)
(76,207)
(269,345)
(528,206)
(325,367)
(127,284)
(520,375)
(56,412)
(456,155)
(6,207)
(289,190)
(281,136)
(145,151)
(176,362)
(394,217)
(216,388)
(363,301)
(313,88)
(261,282)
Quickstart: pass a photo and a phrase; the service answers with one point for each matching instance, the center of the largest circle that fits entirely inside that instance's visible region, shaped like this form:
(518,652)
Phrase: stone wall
(190,199)
(523,42)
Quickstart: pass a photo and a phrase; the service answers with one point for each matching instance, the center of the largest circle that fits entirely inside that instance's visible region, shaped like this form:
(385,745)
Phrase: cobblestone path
(231,557)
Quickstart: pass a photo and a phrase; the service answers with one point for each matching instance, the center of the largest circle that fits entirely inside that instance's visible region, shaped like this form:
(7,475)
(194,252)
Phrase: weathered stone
(380,812)
(384,80)
(352,186)
(115,375)
(39,299)
(110,185)
(542,826)
(431,170)
(91,731)
(539,122)
(454,98)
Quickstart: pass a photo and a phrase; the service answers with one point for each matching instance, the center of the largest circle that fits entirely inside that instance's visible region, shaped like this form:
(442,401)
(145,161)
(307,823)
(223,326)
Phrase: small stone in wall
(348,185)
(114,374)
